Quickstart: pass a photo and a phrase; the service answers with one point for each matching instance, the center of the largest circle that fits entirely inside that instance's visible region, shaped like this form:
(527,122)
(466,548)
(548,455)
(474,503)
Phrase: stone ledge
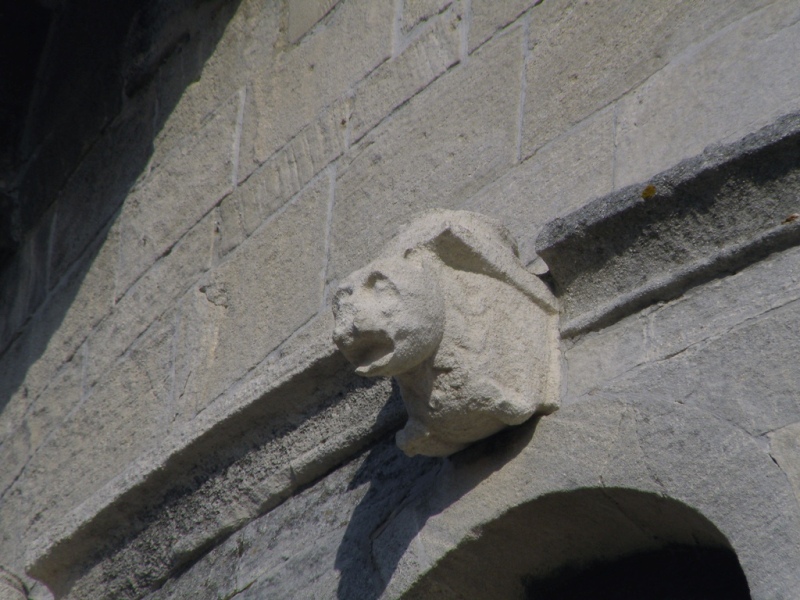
(708,216)
(245,454)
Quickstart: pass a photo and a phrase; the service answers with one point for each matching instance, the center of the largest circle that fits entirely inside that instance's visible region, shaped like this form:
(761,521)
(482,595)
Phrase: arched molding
(669,450)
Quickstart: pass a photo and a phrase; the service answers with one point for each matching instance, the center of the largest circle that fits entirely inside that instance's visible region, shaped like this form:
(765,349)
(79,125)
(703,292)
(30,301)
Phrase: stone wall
(201,179)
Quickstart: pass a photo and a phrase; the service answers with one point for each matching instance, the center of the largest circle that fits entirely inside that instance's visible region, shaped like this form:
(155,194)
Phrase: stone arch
(706,478)
(604,535)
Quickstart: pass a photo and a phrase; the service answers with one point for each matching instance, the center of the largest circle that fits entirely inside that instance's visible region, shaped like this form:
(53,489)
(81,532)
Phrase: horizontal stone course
(153,295)
(561,177)
(173,198)
(727,86)
(301,80)
(395,81)
(586,55)
(434,152)
(260,294)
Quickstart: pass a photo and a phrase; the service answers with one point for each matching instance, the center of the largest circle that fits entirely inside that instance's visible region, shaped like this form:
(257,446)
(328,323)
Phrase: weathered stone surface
(11,587)
(95,192)
(434,312)
(416,11)
(221,470)
(304,14)
(264,292)
(173,198)
(728,86)
(25,282)
(785,449)
(735,375)
(542,188)
(488,16)
(43,415)
(154,294)
(592,53)
(436,151)
(218,50)
(314,543)
(304,79)
(701,319)
(284,175)
(402,77)
(712,214)
(125,412)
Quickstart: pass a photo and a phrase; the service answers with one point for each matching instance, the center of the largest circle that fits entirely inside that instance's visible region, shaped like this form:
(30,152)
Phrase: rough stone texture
(541,188)
(730,85)
(191,180)
(304,79)
(708,215)
(416,11)
(153,295)
(488,16)
(785,449)
(592,53)
(283,176)
(11,588)
(439,311)
(108,172)
(400,78)
(261,294)
(216,479)
(396,535)
(434,152)
(271,557)
(516,109)
(304,14)
(125,413)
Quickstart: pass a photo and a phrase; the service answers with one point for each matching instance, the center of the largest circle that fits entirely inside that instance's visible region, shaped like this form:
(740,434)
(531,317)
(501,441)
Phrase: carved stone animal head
(389,317)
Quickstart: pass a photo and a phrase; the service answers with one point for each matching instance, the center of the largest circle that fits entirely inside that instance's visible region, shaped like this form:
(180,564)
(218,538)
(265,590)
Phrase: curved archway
(595,542)
(658,449)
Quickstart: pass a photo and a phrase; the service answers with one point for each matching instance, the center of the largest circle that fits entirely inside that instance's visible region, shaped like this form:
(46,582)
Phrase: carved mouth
(370,351)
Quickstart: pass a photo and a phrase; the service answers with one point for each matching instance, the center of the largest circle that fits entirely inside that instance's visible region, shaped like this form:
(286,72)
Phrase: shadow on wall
(101,99)
(370,551)
(601,543)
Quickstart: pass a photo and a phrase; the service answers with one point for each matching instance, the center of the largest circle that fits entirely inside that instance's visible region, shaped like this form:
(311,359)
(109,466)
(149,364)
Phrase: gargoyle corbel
(469,334)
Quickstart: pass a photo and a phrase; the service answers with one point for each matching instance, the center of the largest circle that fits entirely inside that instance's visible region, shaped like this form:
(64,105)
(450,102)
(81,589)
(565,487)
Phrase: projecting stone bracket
(469,334)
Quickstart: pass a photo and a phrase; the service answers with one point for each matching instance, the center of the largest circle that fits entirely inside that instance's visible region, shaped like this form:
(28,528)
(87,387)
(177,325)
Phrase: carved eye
(379,283)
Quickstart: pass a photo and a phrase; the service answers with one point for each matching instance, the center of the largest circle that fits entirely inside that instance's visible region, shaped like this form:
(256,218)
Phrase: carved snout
(389,317)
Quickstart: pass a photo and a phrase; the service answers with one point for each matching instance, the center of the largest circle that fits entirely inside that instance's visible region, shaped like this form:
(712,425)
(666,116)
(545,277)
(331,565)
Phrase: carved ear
(460,248)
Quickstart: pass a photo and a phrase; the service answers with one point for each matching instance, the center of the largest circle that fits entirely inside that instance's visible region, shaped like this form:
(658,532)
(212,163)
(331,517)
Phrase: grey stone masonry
(707,216)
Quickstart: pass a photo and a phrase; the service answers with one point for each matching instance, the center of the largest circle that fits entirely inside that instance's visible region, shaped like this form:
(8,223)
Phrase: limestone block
(444,145)
(190,181)
(304,14)
(416,11)
(489,15)
(95,192)
(80,302)
(302,80)
(261,294)
(43,415)
(284,175)
(223,53)
(153,295)
(441,312)
(785,449)
(125,414)
(402,77)
(541,188)
(11,587)
(731,85)
(585,55)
